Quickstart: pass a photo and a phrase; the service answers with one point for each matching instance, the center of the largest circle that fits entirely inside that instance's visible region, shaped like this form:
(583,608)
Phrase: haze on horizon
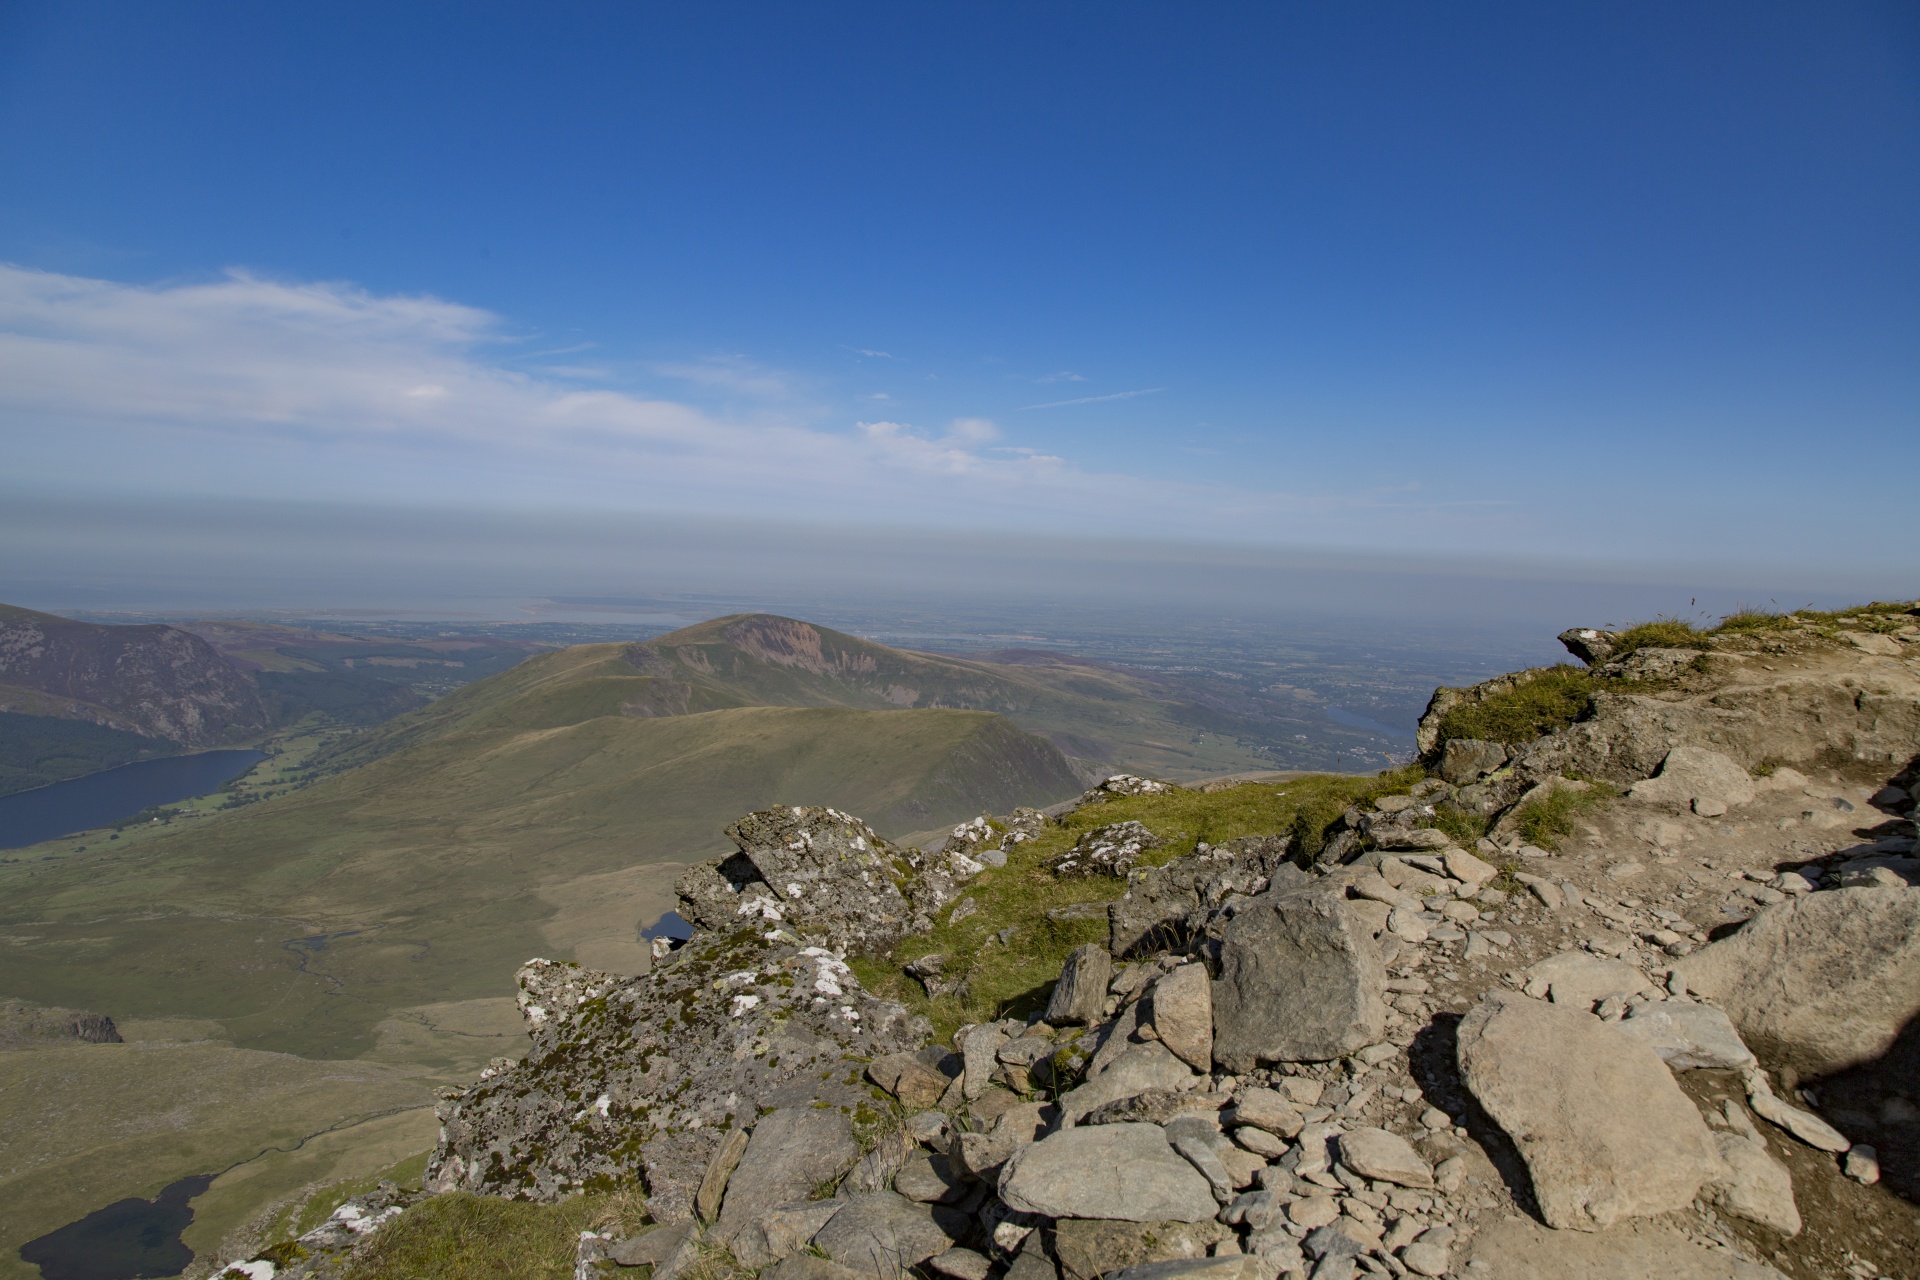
(346,300)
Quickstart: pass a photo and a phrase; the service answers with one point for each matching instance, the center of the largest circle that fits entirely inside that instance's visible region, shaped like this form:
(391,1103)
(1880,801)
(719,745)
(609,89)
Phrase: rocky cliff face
(157,681)
(1678,1042)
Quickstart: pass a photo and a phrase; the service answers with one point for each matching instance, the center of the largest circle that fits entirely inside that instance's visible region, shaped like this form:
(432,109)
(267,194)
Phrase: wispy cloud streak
(1117,395)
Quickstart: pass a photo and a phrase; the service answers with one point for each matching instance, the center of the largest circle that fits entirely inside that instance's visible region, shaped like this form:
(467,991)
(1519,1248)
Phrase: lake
(81,804)
(127,1240)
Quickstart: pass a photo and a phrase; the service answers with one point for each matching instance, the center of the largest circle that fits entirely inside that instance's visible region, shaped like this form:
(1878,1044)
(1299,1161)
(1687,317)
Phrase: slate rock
(917,1085)
(1081,993)
(1467,760)
(807,1266)
(1227,1267)
(1581,980)
(1821,982)
(960,1264)
(1689,1036)
(1168,907)
(930,1179)
(791,1152)
(1180,1010)
(1691,776)
(1753,1185)
(653,1248)
(1111,850)
(1266,1109)
(980,1155)
(1156,1106)
(1300,981)
(706,1201)
(1135,1070)
(1384,1157)
(1089,1248)
(882,1234)
(1605,1132)
(782,1230)
(1125,1171)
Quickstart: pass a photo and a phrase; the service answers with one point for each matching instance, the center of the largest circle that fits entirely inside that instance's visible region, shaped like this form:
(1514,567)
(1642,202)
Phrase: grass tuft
(459,1236)
(1551,700)
(1662,633)
(1544,820)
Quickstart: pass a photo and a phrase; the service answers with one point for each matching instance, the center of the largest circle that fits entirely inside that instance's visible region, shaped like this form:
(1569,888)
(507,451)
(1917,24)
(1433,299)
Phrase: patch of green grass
(1015,977)
(1749,619)
(1553,699)
(1662,633)
(1544,820)
(1463,827)
(459,1236)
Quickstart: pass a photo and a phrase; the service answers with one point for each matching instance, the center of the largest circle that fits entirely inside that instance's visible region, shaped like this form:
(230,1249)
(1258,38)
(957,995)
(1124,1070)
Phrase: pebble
(1862,1164)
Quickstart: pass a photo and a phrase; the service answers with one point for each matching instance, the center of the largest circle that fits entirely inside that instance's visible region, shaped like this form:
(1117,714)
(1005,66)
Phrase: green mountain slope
(1106,719)
(428,875)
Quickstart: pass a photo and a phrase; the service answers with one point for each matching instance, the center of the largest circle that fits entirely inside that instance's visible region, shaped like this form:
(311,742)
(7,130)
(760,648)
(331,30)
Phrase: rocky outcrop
(153,680)
(652,1072)
(822,874)
(1167,908)
(1258,1077)
(24,1023)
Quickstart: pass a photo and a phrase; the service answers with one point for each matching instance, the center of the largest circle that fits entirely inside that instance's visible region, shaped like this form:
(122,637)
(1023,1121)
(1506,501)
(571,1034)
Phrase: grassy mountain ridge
(1104,718)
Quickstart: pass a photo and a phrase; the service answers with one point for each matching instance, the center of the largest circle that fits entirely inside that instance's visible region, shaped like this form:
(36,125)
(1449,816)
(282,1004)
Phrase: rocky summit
(1622,981)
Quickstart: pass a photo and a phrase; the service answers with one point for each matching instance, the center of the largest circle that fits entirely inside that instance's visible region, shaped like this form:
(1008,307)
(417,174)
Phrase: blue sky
(1632,283)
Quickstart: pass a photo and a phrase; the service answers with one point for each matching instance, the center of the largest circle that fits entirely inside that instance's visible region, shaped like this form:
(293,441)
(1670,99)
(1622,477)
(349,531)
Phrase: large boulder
(1300,981)
(1124,1171)
(1821,982)
(1605,1132)
(1167,907)
(884,1235)
(790,1153)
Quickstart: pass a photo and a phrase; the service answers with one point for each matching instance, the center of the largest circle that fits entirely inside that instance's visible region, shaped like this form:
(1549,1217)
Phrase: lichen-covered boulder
(645,1075)
(1168,907)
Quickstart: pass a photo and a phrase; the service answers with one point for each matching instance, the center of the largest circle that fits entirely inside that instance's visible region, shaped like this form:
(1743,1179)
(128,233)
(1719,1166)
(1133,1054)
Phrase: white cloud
(1117,395)
(1063,376)
(244,385)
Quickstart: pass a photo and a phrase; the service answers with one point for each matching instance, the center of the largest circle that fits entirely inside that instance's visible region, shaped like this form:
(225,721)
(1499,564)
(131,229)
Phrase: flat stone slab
(1124,1171)
(1384,1157)
(1521,1249)
(1605,1132)
(1581,980)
